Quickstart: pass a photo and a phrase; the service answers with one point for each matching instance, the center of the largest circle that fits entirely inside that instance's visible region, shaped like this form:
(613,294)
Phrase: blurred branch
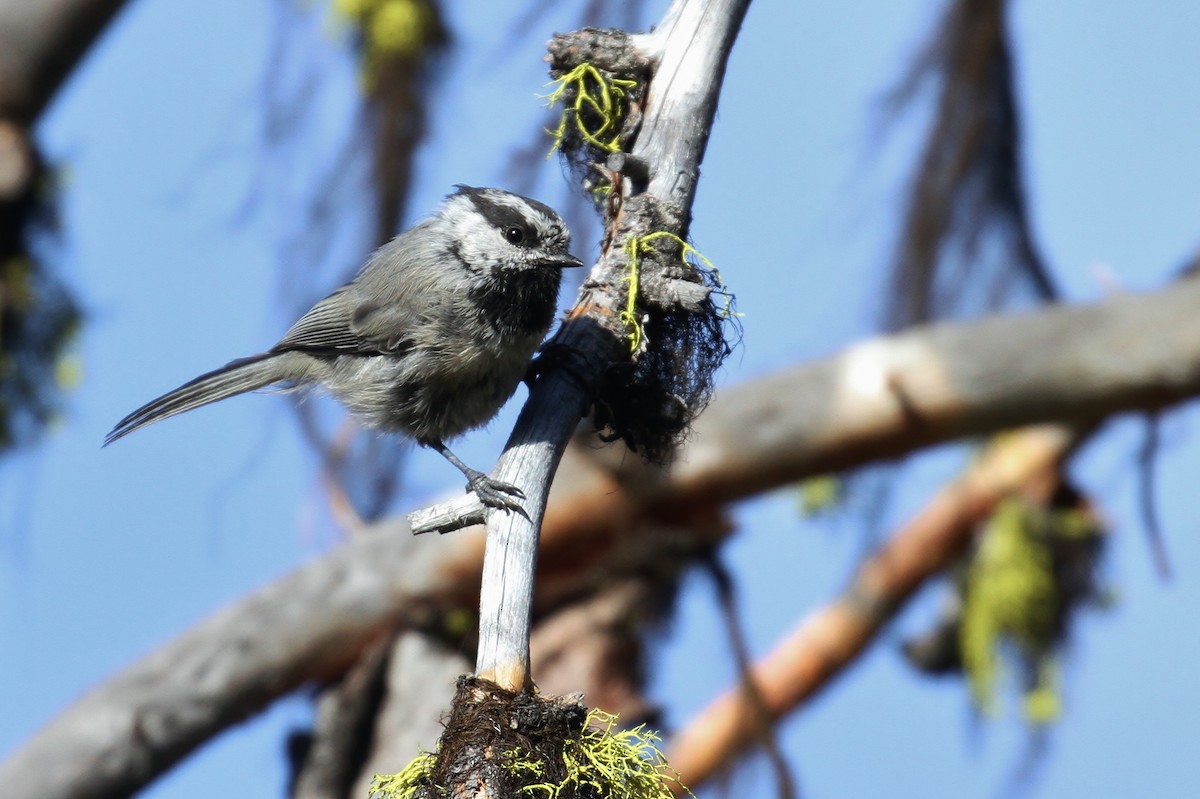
(326,759)
(1147,472)
(761,723)
(966,223)
(887,396)
(40,43)
(420,684)
(875,400)
(830,640)
(135,726)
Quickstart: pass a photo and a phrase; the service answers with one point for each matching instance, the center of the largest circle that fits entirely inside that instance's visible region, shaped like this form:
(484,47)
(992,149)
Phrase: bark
(875,400)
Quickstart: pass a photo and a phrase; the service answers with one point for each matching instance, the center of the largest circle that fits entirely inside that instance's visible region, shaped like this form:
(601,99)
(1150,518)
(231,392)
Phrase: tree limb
(830,640)
(40,43)
(687,55)
(132,728)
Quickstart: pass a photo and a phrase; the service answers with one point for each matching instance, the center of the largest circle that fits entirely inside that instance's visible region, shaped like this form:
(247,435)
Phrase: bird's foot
(495,493)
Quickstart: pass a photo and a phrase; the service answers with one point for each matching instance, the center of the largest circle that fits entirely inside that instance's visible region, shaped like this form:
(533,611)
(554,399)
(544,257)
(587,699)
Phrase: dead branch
(685,58)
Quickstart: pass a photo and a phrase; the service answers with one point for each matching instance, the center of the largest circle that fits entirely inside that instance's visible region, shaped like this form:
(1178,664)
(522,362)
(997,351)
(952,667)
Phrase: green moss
(819,494)
(603,762)
(413,781)
(1015,603)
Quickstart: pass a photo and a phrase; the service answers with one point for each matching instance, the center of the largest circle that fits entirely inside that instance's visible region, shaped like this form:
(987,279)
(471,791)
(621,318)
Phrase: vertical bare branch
(688,52)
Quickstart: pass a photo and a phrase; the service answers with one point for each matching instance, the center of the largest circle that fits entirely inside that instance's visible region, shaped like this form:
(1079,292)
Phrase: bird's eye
(514,234)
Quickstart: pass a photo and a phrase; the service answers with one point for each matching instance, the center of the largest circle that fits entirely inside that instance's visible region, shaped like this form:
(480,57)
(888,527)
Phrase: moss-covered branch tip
(595,759)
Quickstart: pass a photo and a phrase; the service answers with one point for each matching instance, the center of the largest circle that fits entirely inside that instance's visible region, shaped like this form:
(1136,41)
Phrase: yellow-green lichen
(389,29)
(606,763)
(409,782)
(603,762)
(1015,604)
(593,107)
(819,494)
(635,248)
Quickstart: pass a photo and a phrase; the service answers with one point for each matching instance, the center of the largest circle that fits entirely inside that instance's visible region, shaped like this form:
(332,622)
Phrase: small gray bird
(431,337)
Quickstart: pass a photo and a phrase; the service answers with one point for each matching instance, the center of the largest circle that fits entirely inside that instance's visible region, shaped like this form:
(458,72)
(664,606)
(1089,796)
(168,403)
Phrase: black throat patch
(518,303)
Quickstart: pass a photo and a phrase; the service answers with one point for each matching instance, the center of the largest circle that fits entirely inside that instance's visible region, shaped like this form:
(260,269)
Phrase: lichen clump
(605,761)
(1032,569)
(676,345)
(389,30)
(594,106)
(514,744)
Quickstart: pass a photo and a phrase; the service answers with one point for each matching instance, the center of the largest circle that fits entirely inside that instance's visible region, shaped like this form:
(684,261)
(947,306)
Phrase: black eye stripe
(503,216)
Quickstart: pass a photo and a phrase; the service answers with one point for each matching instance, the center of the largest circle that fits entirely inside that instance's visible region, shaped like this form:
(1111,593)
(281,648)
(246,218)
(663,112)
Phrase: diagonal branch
(830,640)
(135,726)
(40,43)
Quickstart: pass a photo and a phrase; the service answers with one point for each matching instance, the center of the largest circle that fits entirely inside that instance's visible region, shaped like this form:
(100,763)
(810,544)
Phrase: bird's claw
(495,493)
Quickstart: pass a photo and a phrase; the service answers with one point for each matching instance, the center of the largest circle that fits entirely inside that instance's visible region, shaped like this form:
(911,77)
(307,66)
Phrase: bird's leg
(491,492)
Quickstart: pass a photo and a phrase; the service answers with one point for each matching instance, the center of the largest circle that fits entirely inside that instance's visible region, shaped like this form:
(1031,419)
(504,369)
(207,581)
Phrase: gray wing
(340,324)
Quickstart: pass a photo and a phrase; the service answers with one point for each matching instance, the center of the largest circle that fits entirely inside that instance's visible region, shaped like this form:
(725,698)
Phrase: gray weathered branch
(686,57)
(134,727)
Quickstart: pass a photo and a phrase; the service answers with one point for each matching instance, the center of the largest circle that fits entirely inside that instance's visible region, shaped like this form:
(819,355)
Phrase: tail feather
(235,377)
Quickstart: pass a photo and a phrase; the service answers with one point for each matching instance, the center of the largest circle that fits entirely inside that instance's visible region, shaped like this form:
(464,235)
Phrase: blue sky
(105,554)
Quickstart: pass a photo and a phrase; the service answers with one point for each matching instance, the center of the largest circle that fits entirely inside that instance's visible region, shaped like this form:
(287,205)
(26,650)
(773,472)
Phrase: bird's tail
(235,377)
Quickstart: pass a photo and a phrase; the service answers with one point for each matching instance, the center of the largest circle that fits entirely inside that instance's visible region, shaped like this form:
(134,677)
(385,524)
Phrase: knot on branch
(677,315)
(609,49)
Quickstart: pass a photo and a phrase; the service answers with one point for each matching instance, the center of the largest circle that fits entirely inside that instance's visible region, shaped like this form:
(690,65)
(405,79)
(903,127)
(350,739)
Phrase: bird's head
(496,231)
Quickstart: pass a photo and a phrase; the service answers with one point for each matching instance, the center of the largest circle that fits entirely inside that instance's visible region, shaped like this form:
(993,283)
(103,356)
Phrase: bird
(430,338)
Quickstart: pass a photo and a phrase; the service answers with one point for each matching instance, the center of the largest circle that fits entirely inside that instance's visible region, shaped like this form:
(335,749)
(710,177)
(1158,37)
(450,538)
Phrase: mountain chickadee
(429,339)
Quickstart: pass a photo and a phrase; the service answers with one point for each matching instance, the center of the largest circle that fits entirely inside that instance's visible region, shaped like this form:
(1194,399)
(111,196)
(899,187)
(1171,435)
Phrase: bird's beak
(565,260)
